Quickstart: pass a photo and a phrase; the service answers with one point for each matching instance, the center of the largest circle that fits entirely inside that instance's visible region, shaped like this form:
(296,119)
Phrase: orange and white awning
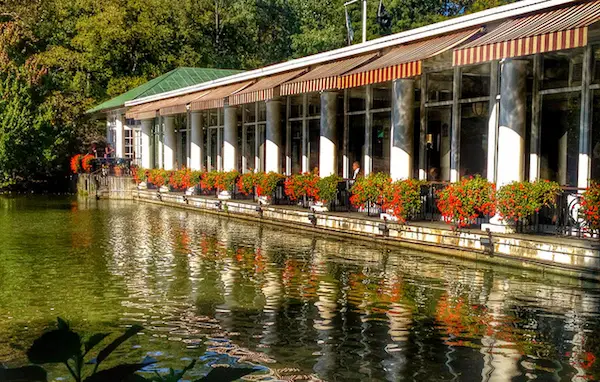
(216,97)
(178,105)
(324,77)
(559,29)
(263,89)
(143,111)
(403,61)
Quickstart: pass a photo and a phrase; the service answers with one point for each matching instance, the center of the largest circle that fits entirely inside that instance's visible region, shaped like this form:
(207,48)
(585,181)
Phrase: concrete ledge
(573,257)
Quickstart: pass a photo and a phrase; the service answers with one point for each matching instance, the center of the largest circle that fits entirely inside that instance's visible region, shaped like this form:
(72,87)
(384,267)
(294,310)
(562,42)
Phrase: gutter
(458,23)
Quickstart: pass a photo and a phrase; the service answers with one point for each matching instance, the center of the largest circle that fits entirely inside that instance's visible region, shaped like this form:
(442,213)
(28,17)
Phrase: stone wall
(105,187)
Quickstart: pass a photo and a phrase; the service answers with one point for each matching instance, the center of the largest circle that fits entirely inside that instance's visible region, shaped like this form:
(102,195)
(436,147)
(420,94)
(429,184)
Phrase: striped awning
(263,89)
(324,77)
(178,105)
(558,29)
(216,97)
(143,111)
(403,61)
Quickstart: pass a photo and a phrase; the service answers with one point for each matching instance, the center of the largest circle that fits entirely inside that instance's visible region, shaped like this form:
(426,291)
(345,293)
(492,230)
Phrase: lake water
(290,302)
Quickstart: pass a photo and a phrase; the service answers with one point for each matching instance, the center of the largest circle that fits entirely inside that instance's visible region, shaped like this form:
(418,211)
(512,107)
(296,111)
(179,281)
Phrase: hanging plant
(519,200)
(463,202)
(76,163)
(370,189)
(403,199)
(590,207)
(267,183)
(328,188)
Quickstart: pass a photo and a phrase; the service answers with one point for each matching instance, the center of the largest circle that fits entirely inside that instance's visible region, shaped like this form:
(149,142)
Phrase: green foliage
(519,200)
(370,189)
(328,188)
(403,199)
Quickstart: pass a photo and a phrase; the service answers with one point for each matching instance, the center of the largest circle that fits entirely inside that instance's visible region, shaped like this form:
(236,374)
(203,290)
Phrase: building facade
(511,93)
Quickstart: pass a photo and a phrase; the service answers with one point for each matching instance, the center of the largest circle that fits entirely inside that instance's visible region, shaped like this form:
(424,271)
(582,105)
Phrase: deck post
(403,114)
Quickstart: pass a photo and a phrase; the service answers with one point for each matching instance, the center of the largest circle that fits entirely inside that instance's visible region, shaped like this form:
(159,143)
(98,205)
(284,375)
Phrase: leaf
(94,340)
(225,374)
(23,374)
(136,378)
(62,324)
(117,342)
(56,346)
(116,374)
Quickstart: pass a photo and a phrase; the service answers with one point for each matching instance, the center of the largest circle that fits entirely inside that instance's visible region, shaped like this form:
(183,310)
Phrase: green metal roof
(173,80)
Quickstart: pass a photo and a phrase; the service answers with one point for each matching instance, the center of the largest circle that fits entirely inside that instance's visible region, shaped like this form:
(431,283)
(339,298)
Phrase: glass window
(212,149)
(439,86)
(559,133)
(261,130)
(314,104)
(562,69)
(380,142)
(314,138)
(595,155)
(475,81)
(296,106)
(382,95)
(250,149)
(296,149)
(439,120)
(356,139)
(357,99)
(205,149)
(473,139)
(250,109)
(213,119)
(129,143)
(262,111)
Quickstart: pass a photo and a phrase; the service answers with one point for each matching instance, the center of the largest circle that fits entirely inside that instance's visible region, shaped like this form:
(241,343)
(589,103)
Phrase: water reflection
(296,303)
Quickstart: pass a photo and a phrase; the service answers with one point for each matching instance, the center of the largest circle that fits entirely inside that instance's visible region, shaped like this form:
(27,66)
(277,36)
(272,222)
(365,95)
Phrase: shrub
(462,202)
(75,163)
(590,206)
(181,179)
(159,177)
(226,180)
(86,162)
(267,183)
(301,185)
(209,180)
(195,178)
(403,199)
(370,189)
(328,187)
(140,174)
(519,200)
(247,182)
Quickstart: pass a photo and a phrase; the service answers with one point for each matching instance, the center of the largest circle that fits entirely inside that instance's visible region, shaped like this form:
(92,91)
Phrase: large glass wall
(254,116)
(214,139)
(560,115)
(595,143)
(356,116)
(439,120)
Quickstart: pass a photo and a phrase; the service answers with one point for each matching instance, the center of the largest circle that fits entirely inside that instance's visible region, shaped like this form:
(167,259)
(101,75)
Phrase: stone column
(493,122)
(584,163)
(511,132)
(170,141)
(146,145)
(230,139)
(273,136)
(455,129)
(197,140)
(403,114)
(327,144)
(119,136)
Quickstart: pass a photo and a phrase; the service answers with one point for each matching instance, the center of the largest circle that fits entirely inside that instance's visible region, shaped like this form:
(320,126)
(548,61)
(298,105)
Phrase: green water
(291,302)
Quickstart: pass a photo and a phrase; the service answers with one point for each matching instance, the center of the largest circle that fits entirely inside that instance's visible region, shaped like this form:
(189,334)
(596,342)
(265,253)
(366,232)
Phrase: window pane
(473,139)
(296,106)
(380,142)
(356,139)
(314,138)
(296,149)
(560,138)
(562,69)
(475,81)
(262,111)
(314,104)
(596,137)
(357,99)
(250,109)
(439,86)
(382,95)
(439,120)
(250,149)
(261,142)
(213,117)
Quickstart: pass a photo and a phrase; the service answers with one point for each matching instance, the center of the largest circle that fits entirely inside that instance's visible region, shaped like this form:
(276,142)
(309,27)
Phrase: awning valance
(143,111)
(263,89)
(178,105)
(216,97)
(403,61)
(324,77)
(562,28)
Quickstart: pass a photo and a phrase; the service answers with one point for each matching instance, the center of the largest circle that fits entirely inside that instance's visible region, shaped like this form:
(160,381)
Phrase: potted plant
(194,182)
(208,181)
(224,182)
(590,208)
(403,199)
(140,176)
(247,182)
(160,178)
(327,192)
(461,203)
(517,202)
(302,187)
(266,184)
(369,191)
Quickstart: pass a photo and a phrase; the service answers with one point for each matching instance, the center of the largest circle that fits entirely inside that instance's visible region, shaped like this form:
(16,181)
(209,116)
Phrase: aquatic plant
(517,201)
(403,199)
(461,203)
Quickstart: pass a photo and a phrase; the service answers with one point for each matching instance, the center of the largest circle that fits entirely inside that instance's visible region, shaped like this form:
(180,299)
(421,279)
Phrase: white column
(455,129)
(170,142)
(492,122)
(305,153)
(511,133)
(328,139)
(584,162)
(403,114)
(120,136)
(273,136)
(146,139)
(230,139)
(197,139)
(367,161)
(536,102)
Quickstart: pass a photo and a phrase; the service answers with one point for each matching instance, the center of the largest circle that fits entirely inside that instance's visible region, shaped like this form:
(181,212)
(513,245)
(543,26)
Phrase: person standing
(356,171)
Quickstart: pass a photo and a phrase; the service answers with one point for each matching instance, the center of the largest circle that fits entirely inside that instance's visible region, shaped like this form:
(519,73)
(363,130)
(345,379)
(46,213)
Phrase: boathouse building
(510,93)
